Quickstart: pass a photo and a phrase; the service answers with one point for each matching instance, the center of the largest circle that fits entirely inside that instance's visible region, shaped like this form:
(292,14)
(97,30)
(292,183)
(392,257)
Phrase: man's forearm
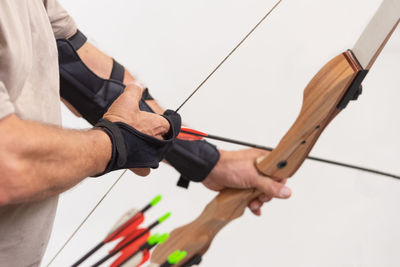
(38,160)
(99,62)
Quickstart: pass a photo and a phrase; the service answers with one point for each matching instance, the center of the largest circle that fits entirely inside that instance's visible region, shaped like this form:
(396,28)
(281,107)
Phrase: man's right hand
(126,109)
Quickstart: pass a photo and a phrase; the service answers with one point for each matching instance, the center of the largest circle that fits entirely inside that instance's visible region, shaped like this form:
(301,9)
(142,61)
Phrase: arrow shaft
(87,255)
(328,161)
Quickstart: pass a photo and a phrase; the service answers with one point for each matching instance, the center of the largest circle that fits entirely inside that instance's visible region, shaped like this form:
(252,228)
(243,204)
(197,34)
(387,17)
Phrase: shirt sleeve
(6,107)
(62,23)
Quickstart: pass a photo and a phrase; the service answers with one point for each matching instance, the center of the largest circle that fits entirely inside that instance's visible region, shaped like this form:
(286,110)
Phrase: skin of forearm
(38,161)
(99,63)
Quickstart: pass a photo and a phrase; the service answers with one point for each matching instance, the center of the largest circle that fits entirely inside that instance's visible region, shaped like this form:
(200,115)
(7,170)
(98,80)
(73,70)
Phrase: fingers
(256,204)
(146,122)
(273,189)
(154,125)
(255,207)
(163,127)
(126,109)
(270,189)
(141,171)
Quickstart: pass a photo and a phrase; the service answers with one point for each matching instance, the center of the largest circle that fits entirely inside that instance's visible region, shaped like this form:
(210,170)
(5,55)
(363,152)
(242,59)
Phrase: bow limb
(320,105)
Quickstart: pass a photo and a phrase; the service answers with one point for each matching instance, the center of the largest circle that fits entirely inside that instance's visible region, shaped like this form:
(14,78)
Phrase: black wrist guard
(194,160)
(133,149)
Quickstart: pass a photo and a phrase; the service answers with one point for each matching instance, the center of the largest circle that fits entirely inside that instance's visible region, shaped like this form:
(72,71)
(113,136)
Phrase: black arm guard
(91,96)
(194,160)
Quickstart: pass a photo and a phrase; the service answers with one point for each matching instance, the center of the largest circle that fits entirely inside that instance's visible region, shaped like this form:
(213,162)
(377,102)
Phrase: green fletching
(153,239)
(176,256)
(163,238)
(164,217)
(155,200)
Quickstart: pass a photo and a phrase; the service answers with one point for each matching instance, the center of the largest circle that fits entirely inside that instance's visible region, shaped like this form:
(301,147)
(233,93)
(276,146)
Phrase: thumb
(273,189)
(134,92)
(141,171)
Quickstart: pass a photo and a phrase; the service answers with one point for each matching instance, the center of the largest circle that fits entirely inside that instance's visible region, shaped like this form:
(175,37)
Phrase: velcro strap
(146,95)
(194,160)
(183,182)
(118,72)
(117,139)
(77,40)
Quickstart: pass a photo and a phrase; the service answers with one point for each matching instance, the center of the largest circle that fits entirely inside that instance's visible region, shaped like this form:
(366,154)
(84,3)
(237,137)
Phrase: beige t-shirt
(29,88)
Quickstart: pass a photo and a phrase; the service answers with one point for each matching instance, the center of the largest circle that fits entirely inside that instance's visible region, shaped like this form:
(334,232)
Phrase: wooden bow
(320,105)
(330,91)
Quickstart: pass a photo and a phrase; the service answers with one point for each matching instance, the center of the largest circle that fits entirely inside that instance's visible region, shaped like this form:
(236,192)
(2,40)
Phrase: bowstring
(86,218)
(229,55)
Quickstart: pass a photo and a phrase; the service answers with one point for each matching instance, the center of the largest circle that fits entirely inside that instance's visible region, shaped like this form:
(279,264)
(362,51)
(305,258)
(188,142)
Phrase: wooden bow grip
(320,105)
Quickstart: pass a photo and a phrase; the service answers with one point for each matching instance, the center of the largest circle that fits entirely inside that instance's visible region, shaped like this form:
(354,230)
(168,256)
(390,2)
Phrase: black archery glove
(134,149)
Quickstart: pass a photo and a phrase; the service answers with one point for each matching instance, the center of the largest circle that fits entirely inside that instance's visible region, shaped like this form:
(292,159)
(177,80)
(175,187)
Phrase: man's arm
(100,63)
(38,160)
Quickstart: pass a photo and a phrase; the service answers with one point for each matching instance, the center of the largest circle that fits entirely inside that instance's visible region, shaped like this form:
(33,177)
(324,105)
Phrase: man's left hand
(236,169)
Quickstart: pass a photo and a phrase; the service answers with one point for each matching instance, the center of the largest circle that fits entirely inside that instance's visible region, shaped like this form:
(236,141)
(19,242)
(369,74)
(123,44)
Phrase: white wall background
(336,217)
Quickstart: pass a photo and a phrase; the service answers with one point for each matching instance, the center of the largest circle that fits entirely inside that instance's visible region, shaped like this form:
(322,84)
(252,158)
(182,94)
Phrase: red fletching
(188,134)
(127,228)
(130,249)
(131,236)
(188,137)
(146,257)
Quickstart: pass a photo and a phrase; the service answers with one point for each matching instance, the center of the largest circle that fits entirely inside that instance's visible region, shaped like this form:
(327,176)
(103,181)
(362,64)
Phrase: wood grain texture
(320,100)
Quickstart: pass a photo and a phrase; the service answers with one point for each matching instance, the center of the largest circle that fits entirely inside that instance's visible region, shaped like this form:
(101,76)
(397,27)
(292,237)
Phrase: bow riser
(320,106)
